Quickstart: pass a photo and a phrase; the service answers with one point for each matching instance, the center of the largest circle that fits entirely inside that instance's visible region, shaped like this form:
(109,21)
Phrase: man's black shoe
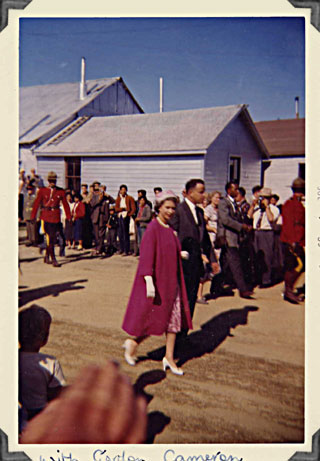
(246,294)
(265,285)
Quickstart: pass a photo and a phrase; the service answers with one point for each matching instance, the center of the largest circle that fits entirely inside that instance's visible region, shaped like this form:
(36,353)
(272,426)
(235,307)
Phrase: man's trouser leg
(121,234)
(294,266)
(234,263)
(51,230)
(264,244)
(102,236)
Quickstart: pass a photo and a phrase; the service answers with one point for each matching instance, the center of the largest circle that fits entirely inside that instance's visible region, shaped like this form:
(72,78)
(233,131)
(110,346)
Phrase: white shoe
(128,357)
(175,370)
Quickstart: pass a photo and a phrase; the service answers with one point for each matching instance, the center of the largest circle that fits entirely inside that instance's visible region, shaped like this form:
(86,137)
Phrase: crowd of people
(248,239)
(224,240)
(92,219)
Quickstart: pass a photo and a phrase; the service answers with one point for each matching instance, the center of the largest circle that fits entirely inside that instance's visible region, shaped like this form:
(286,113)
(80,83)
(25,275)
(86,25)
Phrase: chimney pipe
(83,85)
(161,94)
(297,106)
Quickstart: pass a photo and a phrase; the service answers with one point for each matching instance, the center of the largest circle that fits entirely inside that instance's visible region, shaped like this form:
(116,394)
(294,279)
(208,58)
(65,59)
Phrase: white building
(162,149)
(49,110)
(285,141)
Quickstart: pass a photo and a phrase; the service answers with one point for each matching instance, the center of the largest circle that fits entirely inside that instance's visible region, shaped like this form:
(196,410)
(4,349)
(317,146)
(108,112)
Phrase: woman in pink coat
(158,302)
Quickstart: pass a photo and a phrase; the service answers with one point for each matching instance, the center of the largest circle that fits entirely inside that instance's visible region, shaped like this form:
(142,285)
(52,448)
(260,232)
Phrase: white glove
(184,255)
(151,291)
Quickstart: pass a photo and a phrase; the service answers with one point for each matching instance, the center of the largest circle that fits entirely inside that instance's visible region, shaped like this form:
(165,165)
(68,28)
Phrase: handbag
(132,230)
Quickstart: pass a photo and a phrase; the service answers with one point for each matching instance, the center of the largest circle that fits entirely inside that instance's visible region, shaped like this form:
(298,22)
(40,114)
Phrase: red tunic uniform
(293,227)
(49,199)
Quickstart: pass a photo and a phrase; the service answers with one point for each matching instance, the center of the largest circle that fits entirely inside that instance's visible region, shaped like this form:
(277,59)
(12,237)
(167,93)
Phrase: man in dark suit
(230,227)
(99,206)
(189,223)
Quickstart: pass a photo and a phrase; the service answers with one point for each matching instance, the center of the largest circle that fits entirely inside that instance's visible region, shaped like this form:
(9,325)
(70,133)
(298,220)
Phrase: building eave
(123,154)
(255,132)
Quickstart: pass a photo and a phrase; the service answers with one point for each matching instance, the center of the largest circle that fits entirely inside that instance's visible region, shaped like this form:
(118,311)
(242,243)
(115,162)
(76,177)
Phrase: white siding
(280,174)
(28,159)
(142,173)
(57,165)
(115,100)
(236,140)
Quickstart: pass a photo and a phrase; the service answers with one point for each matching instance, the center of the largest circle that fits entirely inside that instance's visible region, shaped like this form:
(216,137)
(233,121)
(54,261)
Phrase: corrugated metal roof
(179,131)
(43,107)
(285,138)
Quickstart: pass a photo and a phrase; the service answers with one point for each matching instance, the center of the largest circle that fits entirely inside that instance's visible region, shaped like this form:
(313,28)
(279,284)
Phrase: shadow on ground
(70,258)
(201,342)
(27,296)
(157,420)
(206,340)
(29,260)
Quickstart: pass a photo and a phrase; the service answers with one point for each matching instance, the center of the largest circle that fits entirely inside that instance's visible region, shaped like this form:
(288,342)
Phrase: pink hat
(165,195)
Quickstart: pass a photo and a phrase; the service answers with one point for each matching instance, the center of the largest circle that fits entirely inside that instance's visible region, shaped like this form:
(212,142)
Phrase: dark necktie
(199,218)
(258,225)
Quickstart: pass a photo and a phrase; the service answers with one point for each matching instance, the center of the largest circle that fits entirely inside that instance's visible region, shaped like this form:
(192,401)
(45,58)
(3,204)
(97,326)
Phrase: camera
(261,205)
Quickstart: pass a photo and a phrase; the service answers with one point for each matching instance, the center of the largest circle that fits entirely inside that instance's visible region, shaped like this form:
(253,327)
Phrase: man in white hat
(264,214)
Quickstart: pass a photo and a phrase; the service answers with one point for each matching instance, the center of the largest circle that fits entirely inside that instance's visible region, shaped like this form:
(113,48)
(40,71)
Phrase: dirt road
(244,363)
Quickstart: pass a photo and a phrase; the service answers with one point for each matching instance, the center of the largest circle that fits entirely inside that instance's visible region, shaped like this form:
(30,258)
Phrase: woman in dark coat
(158,302)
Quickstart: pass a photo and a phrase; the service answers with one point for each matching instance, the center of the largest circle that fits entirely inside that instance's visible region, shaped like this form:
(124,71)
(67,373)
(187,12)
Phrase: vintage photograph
(161,231)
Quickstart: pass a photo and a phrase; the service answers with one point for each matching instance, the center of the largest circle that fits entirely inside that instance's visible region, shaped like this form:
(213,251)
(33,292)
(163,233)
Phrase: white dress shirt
(192,207)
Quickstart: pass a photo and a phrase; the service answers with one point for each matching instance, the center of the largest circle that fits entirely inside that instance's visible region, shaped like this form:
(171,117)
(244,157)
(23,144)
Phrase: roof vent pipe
(161,94)
(83,85)
(297,106)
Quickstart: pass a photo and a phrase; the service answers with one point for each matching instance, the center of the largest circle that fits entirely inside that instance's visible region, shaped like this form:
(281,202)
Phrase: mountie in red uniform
(293,238)
(293,227)
(49,199)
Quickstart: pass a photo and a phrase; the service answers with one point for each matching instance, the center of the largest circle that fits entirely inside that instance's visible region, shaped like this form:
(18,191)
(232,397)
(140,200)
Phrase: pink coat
(160,258)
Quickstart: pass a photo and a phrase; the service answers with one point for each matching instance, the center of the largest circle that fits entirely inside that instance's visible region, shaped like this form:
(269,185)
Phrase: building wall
(142,172)
(115,100)
(280,174)
(44,165)
(27,159)
(236,140)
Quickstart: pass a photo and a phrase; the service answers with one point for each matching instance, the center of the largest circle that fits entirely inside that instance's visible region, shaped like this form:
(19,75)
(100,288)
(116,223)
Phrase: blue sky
(205,62)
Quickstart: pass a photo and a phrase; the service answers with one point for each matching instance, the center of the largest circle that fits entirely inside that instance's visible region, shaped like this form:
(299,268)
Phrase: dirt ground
(243,364)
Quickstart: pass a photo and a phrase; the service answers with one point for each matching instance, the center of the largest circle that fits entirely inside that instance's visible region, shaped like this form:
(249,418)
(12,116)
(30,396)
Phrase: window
(302,171)
(73,173)
(234,169)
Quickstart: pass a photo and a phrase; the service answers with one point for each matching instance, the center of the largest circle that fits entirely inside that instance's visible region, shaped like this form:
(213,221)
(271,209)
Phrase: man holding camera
(264,214)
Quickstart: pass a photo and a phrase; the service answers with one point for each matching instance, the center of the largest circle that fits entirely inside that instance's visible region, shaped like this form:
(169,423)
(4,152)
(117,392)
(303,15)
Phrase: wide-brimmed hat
(165,195)
(52,176)
(298,184)
(265,192)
